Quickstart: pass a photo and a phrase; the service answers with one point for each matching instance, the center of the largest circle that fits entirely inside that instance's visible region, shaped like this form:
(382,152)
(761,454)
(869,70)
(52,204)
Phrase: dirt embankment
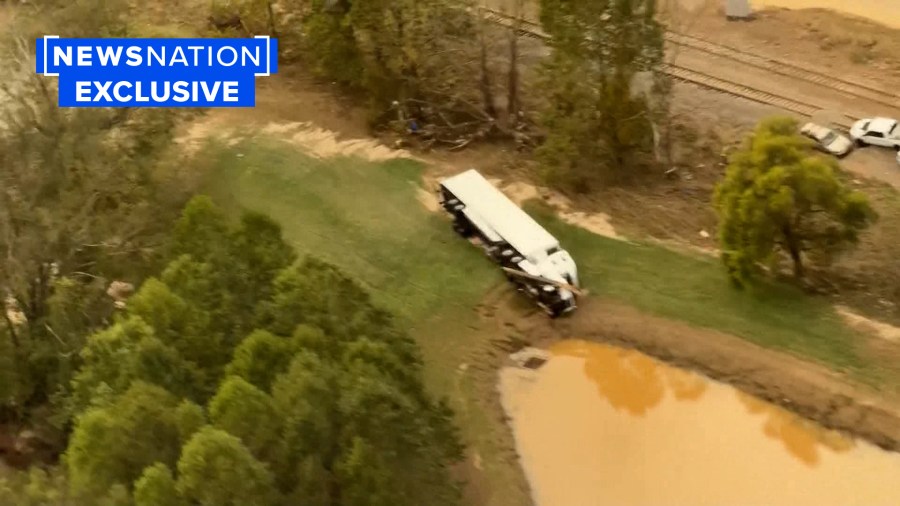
(807,389)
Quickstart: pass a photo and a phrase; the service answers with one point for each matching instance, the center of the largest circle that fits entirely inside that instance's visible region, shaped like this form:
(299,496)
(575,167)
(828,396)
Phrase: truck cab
(534,260)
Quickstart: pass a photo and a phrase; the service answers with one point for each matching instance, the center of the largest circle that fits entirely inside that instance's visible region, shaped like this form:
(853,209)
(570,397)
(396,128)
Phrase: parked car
(877,132)
(827,139)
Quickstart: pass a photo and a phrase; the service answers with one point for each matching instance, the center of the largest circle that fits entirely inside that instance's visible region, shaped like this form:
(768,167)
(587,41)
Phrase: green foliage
(329,387)
(179,324)
(342,416)
(330,45)
(86,201)
(262,356)
(216,469)
(36,487)
(75,309)
(247,412)
(128,352)
(304,397)
(368,481)
(252,13)
(404,44)
(189,418)
(12,388)
(390,49)
(112,445)
(343,310)
(156,487)
(81,18)
(200,231)
(598,125)
(778,198)
(225,272)
(202,284)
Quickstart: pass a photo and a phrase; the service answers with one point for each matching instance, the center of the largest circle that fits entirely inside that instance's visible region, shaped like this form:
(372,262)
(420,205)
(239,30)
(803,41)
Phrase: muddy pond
(599,425)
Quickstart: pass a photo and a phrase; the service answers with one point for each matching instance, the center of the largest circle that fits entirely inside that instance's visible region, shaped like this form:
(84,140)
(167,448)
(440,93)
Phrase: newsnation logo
(157,72)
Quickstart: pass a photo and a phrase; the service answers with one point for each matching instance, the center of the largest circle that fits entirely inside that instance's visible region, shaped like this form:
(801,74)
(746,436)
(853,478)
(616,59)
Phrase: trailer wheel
(462,226)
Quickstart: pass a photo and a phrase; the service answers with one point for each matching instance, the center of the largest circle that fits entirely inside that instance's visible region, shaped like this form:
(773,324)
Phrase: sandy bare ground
(872,327)
(311,139)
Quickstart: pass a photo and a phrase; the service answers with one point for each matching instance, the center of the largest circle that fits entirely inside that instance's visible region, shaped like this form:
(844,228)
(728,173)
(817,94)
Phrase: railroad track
(533,30)
(781,67)
(739,90)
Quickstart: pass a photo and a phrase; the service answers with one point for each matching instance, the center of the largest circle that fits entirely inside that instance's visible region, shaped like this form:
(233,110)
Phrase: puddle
(597,424)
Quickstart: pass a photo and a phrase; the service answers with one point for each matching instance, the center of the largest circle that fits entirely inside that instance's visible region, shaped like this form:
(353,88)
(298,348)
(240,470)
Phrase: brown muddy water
(599,425)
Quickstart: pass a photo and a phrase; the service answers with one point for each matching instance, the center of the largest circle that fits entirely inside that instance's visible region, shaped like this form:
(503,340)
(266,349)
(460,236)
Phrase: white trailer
(513,239)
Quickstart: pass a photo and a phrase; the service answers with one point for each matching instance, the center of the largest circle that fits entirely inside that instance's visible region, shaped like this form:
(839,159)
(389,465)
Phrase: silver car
(827,139)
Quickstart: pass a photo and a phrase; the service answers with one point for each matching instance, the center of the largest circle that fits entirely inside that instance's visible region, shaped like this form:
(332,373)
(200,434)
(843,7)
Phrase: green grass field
(365,217)
(696,290)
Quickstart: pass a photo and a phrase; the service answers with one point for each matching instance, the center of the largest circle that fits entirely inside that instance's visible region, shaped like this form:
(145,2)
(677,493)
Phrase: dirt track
(811,391)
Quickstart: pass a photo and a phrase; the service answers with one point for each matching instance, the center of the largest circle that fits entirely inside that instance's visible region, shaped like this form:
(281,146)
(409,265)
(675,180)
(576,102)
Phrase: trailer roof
(502,214)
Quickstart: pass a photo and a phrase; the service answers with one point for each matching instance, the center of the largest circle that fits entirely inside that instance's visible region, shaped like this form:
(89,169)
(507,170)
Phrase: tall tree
(224,270)
(216,469)
(262,356)
(112,445)
(247,412)
(81,202)
(344,310)
(778,197)
(343,416)
(405,45)
(598,124)
(125,353)
(156,487)
(326,407)
(180,324)
(329,42)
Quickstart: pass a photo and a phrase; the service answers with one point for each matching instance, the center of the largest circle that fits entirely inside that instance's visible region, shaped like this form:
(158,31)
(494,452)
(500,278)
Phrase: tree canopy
(85,195)
(320,402)
(598,124)
(778,199)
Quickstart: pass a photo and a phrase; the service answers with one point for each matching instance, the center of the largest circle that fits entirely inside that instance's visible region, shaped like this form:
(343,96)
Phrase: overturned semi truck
(531,258)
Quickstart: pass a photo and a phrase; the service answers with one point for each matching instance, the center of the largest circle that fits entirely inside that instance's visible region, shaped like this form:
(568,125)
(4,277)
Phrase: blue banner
(157,72)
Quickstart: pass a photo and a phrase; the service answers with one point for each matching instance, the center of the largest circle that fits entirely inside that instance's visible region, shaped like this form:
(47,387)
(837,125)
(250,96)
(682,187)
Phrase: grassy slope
(696,290)
(365,218)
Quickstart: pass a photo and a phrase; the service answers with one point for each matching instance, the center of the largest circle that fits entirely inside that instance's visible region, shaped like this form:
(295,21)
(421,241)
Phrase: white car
(827,140)
(877,132)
